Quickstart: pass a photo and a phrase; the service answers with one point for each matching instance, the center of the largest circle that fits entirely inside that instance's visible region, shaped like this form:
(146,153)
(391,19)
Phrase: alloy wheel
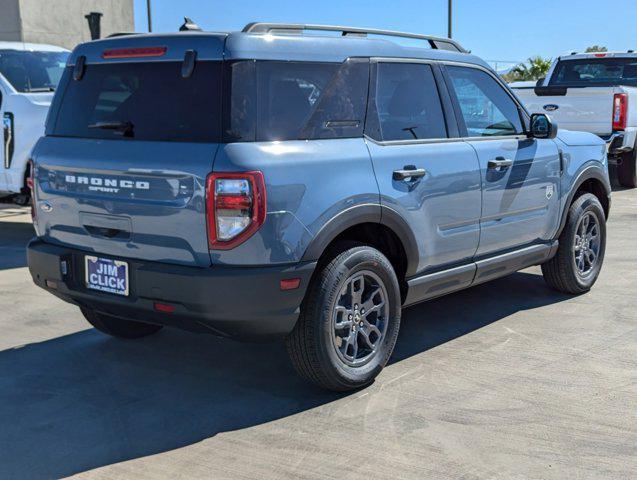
(359,318)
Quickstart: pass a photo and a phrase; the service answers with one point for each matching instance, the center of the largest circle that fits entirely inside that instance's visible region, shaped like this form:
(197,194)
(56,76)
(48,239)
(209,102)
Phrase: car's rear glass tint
(30,71)
(595,72)
(143,101)
(272,100)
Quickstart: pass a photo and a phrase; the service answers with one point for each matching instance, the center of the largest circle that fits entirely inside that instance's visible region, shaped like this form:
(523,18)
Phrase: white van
(29,74)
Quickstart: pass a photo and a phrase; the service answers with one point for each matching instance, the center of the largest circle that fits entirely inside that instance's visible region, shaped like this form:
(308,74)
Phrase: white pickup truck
(29,74)
(597,93)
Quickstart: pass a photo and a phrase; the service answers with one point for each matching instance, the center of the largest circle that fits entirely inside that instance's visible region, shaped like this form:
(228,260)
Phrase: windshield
(29,71)
(596,72)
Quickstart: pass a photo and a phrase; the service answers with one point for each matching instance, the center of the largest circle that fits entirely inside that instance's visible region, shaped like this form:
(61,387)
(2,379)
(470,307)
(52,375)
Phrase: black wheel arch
(590,180)
(366,214)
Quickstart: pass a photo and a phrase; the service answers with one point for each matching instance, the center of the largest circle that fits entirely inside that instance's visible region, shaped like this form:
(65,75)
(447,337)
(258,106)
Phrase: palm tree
(534,69)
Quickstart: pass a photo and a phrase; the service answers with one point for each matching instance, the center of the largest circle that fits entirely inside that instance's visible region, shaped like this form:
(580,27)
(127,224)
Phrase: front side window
(406,104)
(486,107)
(30,72)
(277,101)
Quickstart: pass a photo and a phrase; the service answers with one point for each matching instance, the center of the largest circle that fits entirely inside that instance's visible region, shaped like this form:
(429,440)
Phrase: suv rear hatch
(131,137)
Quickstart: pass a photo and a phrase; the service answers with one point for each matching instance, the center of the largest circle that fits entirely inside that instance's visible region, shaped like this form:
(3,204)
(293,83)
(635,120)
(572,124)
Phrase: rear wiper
(125,128)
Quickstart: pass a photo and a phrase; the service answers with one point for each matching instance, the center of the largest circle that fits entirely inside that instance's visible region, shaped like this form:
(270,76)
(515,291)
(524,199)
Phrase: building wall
(9,20)
(62,22)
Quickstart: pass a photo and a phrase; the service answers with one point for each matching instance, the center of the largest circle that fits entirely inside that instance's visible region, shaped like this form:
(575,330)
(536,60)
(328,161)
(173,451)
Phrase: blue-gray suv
(301,182)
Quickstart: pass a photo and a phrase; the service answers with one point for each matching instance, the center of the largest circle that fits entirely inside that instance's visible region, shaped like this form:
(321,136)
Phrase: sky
(505,31)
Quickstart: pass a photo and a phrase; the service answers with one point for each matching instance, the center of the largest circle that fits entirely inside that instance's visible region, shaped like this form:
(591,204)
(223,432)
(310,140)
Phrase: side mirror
(540,82)
(542,127)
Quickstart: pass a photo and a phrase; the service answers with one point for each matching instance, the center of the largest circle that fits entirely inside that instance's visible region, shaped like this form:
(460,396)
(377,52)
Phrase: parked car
(272,183)
(597,93)
(29,74)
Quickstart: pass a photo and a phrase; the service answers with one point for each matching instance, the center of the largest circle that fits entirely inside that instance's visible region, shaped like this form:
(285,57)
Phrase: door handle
(500,164)
(409,171)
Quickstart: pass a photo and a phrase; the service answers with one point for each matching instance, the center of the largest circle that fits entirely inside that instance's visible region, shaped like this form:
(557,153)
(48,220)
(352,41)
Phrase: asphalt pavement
(507,380)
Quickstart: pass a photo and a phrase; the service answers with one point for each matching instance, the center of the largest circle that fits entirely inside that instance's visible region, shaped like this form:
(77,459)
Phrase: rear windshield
(149,101)
(598,72)
(30,72)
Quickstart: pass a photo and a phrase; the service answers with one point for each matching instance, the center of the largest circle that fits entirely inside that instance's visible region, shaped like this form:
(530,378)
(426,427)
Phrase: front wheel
(118,327)
(349,321)
(576,266)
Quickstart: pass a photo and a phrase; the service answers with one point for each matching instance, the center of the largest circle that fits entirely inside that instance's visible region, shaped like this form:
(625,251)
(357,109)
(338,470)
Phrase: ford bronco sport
(289,182)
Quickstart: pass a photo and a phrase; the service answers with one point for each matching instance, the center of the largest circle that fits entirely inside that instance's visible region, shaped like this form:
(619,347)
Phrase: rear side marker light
(134,52)
(235,207)
(620,111)
(290,283)
(163,307)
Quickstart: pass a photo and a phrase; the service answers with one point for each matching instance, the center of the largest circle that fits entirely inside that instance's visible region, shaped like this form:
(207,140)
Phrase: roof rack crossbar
(290,28)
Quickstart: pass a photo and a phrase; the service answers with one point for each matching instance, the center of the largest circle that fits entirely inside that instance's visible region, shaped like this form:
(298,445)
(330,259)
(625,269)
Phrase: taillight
(235,207)
(620,111)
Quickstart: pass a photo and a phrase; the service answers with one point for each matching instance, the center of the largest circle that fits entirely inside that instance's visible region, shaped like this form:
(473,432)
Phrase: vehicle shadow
(14,237)
(82,401)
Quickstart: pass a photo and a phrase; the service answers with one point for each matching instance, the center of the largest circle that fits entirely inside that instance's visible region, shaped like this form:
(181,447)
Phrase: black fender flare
(365,213)
(591,172)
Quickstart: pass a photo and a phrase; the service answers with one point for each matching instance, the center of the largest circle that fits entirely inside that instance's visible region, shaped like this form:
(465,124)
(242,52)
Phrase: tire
(563,272)
(22,200)
(117,327)
(319,350)
(627,170)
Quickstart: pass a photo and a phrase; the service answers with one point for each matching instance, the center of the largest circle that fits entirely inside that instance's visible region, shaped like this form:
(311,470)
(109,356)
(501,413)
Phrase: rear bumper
(621,142)
(240,302)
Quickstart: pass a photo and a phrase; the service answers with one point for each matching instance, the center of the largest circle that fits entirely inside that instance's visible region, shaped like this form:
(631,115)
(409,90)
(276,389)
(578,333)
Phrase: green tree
(534,69)
(596,48)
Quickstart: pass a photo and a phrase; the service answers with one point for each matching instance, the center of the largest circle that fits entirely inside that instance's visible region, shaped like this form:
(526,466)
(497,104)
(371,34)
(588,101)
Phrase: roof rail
(438,43)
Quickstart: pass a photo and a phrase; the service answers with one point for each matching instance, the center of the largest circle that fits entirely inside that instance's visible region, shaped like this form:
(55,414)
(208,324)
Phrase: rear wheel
(580,256)
(627,170)
(118,327)
(349,321)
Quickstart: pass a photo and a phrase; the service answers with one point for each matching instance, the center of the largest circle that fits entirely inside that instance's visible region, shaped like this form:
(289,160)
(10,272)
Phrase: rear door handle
(500,164)
(409,171)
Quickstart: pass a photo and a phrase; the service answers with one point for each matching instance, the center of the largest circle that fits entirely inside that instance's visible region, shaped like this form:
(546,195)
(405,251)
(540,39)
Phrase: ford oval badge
(551,107)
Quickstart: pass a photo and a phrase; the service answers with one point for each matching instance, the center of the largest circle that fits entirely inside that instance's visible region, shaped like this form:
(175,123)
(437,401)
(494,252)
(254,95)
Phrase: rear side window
(405,104)
(143,101)
(487,109)
(272,100)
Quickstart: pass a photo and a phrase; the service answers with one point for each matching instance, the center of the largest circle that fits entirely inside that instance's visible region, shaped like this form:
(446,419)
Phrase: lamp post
(150,17)
(449,18)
